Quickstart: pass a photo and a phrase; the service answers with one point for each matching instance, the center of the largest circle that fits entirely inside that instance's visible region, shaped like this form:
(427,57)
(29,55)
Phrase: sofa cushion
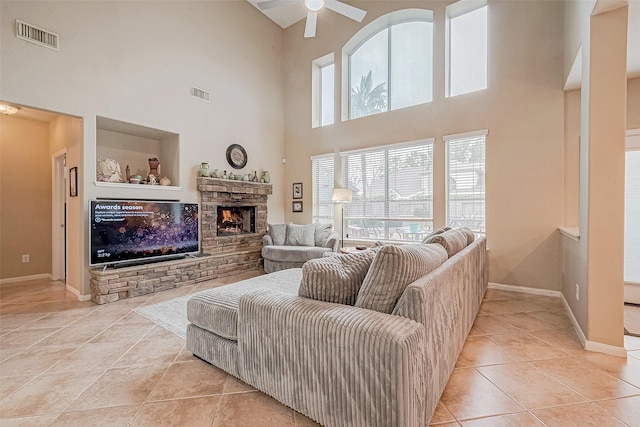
(393,269)
(278,233)
(216,310)
(452,240)
(435,233)
(322,233)
(336,278)
(300,235)
(470,235)
(292,253)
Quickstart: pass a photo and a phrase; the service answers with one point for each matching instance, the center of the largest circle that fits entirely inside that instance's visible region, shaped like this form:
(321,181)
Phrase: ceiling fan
(313,6)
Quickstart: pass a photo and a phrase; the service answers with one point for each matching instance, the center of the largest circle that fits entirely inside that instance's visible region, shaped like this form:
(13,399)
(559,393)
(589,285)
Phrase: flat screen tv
(125,231)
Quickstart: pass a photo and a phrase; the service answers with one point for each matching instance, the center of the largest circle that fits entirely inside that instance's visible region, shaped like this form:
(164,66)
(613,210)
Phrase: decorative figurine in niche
(165,181)
(153,166)
(108,171)
(152,179)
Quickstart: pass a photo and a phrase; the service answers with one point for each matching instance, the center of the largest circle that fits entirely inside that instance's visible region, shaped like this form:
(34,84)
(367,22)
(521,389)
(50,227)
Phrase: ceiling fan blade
(346,10)
(310,27)
(271,4)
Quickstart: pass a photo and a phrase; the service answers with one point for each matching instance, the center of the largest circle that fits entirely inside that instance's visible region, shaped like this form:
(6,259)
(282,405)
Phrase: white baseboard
(26,278)
(78,294)
(586,344)
(526,290)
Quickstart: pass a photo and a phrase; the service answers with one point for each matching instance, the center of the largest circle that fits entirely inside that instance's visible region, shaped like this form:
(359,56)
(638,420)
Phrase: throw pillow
(435,233)
(300,235)
(452,240)
(392,270)
(322,233)
(278,233)
(335,278)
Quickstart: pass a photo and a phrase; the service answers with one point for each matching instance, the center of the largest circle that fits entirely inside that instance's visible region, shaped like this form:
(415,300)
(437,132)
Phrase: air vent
(37,35)
(200,94)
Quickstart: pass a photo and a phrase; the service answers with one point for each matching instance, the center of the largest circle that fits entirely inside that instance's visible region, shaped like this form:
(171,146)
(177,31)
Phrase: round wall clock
(236,156)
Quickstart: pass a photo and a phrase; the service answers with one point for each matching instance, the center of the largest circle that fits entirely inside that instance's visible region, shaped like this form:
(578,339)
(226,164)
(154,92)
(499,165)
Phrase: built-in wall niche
(133,145)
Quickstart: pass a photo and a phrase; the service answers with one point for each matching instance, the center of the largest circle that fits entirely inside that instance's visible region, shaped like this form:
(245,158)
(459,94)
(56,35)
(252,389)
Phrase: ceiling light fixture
(314,5)
(8,109)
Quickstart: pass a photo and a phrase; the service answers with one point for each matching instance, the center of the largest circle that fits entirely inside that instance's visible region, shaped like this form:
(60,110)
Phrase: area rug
(170,314)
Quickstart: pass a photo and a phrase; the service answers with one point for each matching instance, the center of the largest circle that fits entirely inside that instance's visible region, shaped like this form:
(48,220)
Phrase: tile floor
(70,363)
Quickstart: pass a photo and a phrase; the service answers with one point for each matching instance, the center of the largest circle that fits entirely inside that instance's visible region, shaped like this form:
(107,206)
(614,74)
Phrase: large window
(322,188)
(323,91)
(465,180)
(389,63)
(392,192)
(466,47)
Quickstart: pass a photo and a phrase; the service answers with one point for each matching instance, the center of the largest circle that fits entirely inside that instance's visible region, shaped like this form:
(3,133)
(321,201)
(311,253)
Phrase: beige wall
(25,193)
(598,115)
(135,62)
(522,108)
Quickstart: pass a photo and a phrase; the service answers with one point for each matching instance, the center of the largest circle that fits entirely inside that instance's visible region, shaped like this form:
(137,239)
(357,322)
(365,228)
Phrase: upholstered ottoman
(212,333)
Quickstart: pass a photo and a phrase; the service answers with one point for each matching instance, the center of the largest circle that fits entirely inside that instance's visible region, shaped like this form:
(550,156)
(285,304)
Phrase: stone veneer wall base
(228,255)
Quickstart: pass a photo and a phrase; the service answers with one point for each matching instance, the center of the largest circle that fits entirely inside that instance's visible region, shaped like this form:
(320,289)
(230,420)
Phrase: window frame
(315,202)
(387,235)
(366,33)
(457,137)
(455,10)
(317,65)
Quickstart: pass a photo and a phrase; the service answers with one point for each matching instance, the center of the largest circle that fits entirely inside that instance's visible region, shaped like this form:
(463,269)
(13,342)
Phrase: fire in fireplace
(234,220)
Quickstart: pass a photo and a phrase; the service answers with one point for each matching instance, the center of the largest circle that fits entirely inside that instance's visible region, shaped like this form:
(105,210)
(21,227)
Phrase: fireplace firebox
(235,220)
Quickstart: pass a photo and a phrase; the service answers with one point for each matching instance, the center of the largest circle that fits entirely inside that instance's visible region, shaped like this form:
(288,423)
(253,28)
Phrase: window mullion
(389,31)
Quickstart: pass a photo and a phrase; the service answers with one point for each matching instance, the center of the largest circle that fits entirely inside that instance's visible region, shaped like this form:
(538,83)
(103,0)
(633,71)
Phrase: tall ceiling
(288,15)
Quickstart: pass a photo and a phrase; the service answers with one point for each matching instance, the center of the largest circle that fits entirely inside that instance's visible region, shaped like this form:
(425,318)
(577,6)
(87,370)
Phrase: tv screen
(131,230)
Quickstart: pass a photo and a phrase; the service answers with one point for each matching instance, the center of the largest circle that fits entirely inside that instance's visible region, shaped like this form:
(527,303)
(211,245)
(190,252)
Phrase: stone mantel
(217,185)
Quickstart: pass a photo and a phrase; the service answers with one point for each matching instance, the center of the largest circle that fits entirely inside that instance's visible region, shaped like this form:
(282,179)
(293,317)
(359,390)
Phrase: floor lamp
(341,196)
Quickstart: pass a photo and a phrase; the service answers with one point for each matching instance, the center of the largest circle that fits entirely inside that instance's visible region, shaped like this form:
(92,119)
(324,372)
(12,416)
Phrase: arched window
(388,64)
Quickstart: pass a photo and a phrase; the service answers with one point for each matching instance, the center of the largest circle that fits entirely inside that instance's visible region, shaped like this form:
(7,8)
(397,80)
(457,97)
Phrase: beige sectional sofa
(291,245)
(341,364)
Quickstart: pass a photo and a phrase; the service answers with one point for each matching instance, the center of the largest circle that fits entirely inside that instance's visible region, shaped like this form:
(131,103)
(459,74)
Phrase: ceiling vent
(37,35)
(200,94)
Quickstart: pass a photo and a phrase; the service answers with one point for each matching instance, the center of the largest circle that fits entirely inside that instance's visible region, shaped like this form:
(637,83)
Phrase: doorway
(59,217)
(632,234)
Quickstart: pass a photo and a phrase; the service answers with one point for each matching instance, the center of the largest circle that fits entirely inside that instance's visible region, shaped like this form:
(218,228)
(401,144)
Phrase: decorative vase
(245,177)
(204,169)
(216,173)
(153,166)
(255,177)
(224,175)
(266,178)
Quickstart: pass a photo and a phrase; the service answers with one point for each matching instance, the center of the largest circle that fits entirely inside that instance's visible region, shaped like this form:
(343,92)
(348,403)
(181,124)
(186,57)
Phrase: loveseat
(291,245)
(341,364)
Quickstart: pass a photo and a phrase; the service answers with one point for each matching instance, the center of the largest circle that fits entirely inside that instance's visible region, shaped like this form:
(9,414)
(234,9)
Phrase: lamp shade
(341,195)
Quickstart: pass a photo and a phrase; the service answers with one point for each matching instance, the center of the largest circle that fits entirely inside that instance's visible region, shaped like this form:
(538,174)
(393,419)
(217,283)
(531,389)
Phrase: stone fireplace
(234,220)
(238,235)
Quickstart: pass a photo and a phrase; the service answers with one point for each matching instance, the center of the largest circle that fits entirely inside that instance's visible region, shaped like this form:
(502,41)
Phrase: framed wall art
(73,182)
(296,206)
(297,190)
